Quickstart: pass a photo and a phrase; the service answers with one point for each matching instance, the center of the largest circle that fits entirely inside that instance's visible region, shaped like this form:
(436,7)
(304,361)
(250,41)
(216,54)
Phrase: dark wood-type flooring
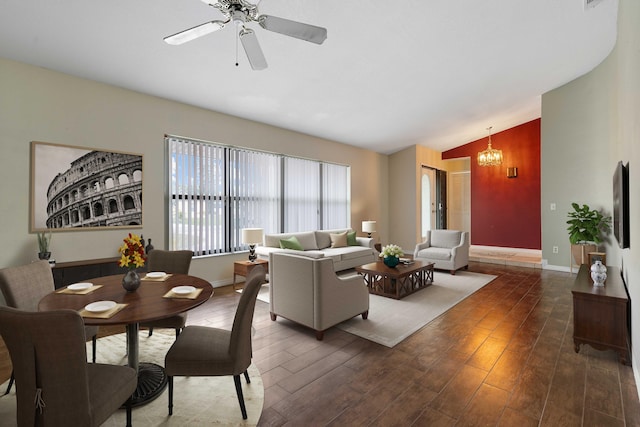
(504,356)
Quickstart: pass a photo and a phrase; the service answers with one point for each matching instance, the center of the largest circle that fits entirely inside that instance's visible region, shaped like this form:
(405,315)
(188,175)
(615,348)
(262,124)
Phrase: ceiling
(390,74)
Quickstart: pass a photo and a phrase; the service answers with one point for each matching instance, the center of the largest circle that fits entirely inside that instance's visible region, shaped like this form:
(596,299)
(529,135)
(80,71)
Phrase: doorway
(433,188)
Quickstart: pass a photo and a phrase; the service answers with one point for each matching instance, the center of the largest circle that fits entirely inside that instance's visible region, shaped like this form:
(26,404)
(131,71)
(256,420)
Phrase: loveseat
(307,291)
(447,249)
(341,246)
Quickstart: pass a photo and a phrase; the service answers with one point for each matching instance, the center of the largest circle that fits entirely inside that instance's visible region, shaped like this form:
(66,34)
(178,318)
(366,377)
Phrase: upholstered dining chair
(24,286)
(55,384)
(176,262)
(206,351)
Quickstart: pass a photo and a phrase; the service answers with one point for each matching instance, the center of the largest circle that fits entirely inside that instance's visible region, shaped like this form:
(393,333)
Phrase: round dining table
(153,300)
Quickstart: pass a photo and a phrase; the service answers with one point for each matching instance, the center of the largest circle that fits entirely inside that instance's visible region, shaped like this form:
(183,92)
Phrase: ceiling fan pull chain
(237,38)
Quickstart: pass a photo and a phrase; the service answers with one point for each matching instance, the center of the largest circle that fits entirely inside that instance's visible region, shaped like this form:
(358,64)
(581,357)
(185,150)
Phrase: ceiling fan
(241,13)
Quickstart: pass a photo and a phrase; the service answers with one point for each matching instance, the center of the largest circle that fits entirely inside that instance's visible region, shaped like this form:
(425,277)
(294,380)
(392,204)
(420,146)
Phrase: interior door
(429,203)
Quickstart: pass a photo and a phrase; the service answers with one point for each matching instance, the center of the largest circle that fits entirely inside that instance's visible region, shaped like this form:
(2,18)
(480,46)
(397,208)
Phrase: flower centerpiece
(391,255)
(132,256)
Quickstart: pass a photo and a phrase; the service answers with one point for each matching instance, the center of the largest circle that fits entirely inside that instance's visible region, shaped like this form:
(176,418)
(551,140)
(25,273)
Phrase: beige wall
(588,126)
(41,105)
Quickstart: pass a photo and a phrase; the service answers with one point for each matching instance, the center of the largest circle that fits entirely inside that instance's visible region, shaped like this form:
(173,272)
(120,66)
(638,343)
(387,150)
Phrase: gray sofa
(447,249)
(317,244)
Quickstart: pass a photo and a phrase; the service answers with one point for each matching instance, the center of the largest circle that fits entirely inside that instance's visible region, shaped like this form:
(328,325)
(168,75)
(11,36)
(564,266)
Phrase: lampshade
(368,226)
(252,236)
(490,156)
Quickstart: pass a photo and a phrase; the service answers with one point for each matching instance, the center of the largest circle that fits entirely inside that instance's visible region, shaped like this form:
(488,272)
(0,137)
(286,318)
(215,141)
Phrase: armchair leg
(453,272)
(150,332)
(273,316)
(365,315)
(243,409)
(319,335)
(170,383)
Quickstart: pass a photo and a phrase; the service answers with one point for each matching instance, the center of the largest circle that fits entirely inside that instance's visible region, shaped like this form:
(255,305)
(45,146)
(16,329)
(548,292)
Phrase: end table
(243,268)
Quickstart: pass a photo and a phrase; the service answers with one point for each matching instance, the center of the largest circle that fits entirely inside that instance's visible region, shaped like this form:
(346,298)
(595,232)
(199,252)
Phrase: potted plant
(44,239)
(586,228)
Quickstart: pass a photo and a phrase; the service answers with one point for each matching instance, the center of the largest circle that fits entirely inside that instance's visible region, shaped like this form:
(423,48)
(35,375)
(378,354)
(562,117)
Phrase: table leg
(152,378)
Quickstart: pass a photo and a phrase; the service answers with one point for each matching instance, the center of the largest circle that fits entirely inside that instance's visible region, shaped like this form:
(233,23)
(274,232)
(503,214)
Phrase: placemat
(192,295)
(80,292)
(105,314)
(156,279)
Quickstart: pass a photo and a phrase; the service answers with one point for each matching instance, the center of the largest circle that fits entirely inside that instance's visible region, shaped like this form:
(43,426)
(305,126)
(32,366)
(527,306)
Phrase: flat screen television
(621,204)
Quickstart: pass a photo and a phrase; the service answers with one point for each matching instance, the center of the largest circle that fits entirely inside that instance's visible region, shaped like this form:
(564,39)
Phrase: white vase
(598,273)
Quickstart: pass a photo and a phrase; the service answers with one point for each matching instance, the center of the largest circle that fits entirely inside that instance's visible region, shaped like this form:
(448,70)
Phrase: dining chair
(170,262)
(206,351)
(24,286)
(55,384)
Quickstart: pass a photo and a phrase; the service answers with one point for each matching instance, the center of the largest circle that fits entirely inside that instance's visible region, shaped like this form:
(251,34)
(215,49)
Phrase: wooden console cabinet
(601,313)
(66,273)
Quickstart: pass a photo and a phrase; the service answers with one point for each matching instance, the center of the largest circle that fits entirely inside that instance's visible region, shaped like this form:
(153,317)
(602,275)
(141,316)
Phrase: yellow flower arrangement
(132,252)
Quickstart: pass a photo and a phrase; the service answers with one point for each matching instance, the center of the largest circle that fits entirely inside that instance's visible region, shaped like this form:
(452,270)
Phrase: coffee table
(396,282)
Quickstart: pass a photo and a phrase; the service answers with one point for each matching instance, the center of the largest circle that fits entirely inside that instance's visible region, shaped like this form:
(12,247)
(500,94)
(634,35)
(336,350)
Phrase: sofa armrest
(365,241)
(419,247)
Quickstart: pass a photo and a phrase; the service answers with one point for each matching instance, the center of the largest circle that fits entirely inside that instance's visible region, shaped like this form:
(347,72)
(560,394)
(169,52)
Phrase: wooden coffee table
(399,281)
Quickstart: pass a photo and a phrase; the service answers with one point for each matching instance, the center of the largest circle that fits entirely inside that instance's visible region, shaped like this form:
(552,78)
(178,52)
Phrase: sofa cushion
(291,243)
(323,238)
(445,238)
(306,238)
(351,239)
(433,253)
(338,240)
(347,252)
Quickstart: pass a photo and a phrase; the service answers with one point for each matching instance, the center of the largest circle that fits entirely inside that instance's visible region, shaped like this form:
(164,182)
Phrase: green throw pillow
(351,239)
(291,243)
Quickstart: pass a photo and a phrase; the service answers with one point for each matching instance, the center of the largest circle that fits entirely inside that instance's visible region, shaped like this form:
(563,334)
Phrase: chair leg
(150,331)
(94,341)
(236,379)
(128,407)
(10,383)
(246,377)
(170,383)
(177,332)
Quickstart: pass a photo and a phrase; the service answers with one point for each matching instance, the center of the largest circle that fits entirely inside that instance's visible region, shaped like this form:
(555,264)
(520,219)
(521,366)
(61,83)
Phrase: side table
(243,268)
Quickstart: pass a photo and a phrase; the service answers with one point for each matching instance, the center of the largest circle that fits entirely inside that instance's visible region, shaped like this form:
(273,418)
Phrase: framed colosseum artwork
(76,188)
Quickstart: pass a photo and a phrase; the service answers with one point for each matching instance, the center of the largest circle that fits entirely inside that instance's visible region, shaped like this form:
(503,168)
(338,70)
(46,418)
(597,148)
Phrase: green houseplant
(44,240)
(586,228)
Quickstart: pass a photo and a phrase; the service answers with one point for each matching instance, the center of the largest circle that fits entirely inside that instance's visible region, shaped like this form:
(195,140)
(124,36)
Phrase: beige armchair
(447,249)
(307,291)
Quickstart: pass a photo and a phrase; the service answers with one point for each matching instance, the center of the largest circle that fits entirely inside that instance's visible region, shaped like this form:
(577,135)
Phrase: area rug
(197,401)
(391,321)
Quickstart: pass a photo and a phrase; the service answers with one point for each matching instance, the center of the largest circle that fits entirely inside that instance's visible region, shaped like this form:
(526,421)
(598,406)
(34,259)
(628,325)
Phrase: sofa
(447,249)
(307,291)
(341,246)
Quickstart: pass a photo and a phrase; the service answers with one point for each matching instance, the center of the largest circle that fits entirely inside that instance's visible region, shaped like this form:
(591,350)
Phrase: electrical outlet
(555,249)
(552,206)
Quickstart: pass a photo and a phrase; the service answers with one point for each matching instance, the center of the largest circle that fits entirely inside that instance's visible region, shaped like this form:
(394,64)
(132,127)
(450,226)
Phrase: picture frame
(597,256)
(82,188)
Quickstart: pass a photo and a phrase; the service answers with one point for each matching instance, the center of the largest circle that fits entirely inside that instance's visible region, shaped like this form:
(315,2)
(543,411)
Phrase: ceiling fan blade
(252,48)
(194,33)
(307,32)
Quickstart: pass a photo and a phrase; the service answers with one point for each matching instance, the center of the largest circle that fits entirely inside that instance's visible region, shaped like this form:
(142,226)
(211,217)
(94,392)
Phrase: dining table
(158,297)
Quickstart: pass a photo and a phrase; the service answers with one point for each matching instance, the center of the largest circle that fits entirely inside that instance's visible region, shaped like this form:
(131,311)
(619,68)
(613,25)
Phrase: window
(215,191)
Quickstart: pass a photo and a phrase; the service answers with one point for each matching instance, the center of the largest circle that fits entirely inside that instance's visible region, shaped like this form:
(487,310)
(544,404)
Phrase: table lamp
(251,237)
(368,227)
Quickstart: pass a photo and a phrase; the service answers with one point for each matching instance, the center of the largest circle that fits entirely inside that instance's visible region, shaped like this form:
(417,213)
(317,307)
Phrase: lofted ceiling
(391,74)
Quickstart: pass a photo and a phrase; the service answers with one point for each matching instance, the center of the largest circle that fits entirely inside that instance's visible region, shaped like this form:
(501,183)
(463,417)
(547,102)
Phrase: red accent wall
(506,211)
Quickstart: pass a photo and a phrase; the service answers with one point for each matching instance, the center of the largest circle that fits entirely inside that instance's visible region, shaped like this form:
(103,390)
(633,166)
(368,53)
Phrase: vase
(131,281)
(391,261)
(44,255)
(598,273)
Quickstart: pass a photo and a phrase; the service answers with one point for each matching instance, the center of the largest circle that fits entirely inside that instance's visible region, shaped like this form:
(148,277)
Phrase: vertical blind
(215,191)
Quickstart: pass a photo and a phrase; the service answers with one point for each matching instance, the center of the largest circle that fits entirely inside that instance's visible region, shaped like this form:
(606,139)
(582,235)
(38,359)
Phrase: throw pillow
(291,243)
(338,240)
(351,239)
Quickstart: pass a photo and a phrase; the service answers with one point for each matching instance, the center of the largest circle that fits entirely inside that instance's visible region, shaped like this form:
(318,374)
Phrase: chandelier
(490,156)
